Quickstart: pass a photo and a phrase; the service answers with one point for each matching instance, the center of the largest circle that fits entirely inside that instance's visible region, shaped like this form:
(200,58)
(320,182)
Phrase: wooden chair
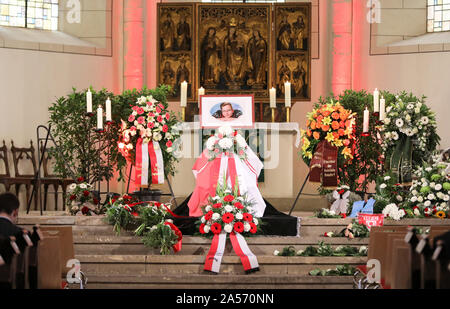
(20,155)
(5,178)
(51,179)
(9,252)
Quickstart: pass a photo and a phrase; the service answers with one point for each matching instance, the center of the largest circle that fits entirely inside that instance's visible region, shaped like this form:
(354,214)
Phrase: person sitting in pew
(9,212)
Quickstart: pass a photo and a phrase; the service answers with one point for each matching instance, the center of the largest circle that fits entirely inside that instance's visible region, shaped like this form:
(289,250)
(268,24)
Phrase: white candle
(89,101)
(376,100)
(366,121)
(201,91)
(108,110)
(382,108)
(183,94)
(273,98)
(99,118)
(287,94)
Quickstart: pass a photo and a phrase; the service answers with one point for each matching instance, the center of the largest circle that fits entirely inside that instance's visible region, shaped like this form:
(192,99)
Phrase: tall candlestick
(273,98)
(99,118)
(376,101)
(382,109)
(201,91)
(89,101)
(366,121)
(183,94)
(287,94)
(108,110)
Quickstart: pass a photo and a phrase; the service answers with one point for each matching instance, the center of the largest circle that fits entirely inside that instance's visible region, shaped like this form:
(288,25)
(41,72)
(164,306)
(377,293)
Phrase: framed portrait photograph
(236,111)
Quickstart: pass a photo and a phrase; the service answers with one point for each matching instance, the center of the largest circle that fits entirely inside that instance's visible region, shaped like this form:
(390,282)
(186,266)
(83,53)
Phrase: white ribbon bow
(340,205)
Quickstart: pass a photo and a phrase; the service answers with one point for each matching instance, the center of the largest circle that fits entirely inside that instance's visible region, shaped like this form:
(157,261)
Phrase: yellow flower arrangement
(331,122)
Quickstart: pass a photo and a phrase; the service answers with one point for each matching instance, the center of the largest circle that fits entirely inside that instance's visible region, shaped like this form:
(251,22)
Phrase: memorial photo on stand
(234,110)
(233,49)
(175,37)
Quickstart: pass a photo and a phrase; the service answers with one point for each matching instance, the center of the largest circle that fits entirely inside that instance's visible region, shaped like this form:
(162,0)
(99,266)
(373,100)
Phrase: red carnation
(238,205)
(208,215)
(135,108)
(216,228)
(341,191)
(161,106)
(239,227)
(80,179)
(165,128)
(227,217)
(248,217)
(86,193)
(158,109)
(160,118)
(140,111)
(344,215)
(167,116)
(202,228)
(169,144)
(253,228)
(151,114)
(150,125)
(228,198)
(131,118)
(141,120)
(217,205)
(84,210)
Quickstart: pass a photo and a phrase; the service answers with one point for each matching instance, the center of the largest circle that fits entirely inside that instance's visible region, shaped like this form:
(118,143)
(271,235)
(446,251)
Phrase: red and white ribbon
(149,158)
(240,246)
(215,254)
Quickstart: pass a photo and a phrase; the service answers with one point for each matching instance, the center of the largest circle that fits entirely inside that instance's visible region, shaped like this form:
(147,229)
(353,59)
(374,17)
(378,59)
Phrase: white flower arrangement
(411,119)
(227,141)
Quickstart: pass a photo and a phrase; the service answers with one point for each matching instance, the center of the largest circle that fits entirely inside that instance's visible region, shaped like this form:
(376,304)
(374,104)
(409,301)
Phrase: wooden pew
(390,251)
(24,243)
(9,252)
(425,249)
(49,263)
(66,244)
(400,272)
(36,236)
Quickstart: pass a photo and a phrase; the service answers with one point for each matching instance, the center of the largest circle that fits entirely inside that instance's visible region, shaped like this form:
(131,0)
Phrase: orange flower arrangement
(333,123)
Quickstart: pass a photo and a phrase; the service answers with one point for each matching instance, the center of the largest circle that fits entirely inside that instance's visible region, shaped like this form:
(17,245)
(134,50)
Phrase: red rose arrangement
(81,199)
(228,212)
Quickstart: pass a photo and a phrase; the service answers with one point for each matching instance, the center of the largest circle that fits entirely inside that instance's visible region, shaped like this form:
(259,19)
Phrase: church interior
(276,144)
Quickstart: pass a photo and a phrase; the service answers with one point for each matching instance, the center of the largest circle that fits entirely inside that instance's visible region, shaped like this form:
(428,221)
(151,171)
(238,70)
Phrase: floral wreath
(151,121)
(227,141)
(331,122)
(414,120)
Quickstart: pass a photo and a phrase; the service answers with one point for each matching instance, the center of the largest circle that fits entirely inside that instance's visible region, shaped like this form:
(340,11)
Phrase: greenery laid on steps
(323,250)
(341,270)
(160,236)
(326,213)
(120,214)
(352,230)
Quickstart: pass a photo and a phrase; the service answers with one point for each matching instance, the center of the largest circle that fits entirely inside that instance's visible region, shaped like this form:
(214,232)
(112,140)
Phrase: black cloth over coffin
(274,222)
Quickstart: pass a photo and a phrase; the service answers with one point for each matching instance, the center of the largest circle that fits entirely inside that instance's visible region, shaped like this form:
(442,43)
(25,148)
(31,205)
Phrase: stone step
(193,264)
(131,245)
(221,281)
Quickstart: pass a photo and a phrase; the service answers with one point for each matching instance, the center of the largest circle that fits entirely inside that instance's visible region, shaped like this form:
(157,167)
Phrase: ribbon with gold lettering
(323,166)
